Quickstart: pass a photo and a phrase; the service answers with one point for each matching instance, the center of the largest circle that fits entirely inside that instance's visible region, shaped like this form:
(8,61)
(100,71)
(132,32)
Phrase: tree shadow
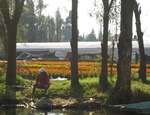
(77,93)
(10,95)
(9,99)
(147,82)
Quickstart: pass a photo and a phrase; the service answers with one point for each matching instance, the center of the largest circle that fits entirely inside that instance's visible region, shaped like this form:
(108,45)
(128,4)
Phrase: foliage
(66,28)
(140,90)
(2,79)
(89,89)
(34,26)
(98,58)
(19,81)
(91,36)
(22,81)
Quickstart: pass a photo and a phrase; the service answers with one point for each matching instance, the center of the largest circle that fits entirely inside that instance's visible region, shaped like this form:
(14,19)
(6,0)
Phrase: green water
(22,111)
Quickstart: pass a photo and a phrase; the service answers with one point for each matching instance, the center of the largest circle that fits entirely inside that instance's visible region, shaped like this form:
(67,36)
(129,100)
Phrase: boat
(141,107)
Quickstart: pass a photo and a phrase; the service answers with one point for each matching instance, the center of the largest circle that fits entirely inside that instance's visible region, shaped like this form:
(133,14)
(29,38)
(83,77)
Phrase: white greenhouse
(62,49)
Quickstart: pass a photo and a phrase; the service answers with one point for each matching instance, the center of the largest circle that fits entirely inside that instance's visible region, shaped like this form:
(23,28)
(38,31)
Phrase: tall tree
(41,20)
(11,21)
(91,36)
(21,32)
(50,29)
(66,28)
(123,84)
(142,70)
(42,33)
(74,46)
(103,78)
(59,22)
(29,20)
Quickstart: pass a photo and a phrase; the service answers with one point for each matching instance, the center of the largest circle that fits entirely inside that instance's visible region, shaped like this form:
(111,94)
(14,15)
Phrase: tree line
(34,26)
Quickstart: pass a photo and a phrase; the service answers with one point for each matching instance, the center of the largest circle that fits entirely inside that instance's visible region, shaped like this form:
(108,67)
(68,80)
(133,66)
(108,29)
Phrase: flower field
(62,68)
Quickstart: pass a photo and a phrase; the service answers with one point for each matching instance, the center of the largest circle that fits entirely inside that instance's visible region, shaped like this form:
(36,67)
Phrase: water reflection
(55,112)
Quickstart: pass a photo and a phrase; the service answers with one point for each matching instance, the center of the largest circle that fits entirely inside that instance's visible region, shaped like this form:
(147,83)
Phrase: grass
(141,92)
(89,88)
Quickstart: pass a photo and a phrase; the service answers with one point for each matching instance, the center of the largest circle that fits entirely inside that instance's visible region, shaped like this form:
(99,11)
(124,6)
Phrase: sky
(145,18)
(86,23)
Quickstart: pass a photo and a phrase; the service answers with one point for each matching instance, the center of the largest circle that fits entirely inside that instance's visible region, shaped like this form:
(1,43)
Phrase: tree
(41,21)
(30,21)
(50,29)
(42,32)
(66,28)
(37,25)
(103,78)
(58,25)
(100,36)
(123,84)
(3,36)
(91,36)
(74,46)
(81,38)
(142,70)
(21,32)
(11,21)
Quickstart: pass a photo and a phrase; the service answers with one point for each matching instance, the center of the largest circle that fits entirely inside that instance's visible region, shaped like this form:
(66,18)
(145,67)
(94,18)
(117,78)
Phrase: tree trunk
(123,84)
(112,58)
(11,21)
(142,69)
(103,77)
(104,45)
(11,66)
(74,46)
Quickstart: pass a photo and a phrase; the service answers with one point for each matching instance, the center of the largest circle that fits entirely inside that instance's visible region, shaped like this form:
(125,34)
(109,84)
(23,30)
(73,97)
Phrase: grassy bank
(89,89)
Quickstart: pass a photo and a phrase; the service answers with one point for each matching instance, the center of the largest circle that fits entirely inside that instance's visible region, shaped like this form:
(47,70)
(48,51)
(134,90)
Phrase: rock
(44,103)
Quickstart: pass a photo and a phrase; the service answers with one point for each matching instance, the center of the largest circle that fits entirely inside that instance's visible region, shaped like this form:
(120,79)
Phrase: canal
(22,111)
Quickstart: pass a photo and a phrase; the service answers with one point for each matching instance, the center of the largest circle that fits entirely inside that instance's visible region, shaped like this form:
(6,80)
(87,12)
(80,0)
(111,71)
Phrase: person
(42,81)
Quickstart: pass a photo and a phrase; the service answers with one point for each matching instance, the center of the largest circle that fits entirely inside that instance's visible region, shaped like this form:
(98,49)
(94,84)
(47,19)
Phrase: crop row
(62,68)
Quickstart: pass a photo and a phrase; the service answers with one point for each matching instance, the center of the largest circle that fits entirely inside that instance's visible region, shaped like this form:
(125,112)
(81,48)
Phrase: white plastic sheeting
(61,54)
(61,49)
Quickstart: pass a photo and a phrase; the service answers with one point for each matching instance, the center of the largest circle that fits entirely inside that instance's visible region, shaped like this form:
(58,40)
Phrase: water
(22,111)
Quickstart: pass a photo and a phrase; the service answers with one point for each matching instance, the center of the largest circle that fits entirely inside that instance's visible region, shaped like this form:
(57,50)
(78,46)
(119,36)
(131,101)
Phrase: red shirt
(43,79)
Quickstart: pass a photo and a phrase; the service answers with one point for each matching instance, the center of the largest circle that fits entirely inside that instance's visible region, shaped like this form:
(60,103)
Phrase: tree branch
(18,10)
(111,2)
(5,11)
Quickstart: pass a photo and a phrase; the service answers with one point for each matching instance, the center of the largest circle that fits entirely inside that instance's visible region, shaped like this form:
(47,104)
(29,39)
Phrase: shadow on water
(9,98)
(21,111)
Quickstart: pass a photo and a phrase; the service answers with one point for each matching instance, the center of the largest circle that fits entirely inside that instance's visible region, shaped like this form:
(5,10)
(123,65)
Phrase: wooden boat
(142,107)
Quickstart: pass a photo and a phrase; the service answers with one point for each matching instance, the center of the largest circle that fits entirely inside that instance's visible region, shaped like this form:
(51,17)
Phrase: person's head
(42,70)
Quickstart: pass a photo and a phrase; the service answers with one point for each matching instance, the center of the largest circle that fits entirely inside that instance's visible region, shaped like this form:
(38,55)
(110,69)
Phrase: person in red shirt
(42,81)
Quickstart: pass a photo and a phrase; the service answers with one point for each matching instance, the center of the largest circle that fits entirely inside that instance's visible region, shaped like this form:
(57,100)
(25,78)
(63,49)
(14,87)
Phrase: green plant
(22,81)
(98,58)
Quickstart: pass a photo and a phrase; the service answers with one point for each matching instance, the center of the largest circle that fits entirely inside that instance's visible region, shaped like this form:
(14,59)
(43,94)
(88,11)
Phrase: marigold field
(62,68)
